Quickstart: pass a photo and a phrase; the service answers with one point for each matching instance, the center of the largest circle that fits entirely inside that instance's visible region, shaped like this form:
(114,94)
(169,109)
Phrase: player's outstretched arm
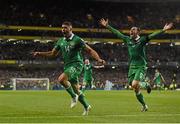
(51,53)
(166,27)
(105,23)
(94,54)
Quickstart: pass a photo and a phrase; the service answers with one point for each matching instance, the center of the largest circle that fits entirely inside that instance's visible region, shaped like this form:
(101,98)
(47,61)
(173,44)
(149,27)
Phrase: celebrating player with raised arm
(71,46)
(137,56)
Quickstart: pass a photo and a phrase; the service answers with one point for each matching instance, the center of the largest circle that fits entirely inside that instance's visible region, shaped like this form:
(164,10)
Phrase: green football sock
(83,101)
(71,91)
(140,98)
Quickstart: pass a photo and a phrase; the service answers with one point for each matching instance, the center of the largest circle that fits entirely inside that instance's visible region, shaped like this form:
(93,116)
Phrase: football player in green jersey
(71,46)
(137,57)
(158,78)
(88,80)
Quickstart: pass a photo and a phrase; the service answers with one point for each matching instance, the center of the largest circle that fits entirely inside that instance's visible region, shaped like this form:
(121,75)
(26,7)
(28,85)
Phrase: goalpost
(30,83)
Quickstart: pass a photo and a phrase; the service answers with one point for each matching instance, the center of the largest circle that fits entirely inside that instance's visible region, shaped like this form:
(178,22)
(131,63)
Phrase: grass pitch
(107,107)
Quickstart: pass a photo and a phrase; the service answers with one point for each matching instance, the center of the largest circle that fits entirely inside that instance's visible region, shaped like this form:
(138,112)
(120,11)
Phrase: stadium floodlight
(30,83)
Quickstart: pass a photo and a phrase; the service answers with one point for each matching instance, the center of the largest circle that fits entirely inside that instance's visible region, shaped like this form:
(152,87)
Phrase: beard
(133,36)
(65,34)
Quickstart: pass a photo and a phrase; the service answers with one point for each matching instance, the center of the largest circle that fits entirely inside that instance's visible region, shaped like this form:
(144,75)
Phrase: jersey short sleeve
(144,40)
(57,45)
(80,43)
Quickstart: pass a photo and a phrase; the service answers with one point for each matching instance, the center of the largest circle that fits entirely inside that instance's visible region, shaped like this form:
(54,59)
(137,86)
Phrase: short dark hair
(138,29)
(67,23)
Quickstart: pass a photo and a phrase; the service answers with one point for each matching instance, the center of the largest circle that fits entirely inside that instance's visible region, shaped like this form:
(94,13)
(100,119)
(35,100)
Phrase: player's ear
(70,27)
(139,30)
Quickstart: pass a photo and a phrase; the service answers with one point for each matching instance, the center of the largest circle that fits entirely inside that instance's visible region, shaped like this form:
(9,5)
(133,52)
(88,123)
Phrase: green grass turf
(107,106)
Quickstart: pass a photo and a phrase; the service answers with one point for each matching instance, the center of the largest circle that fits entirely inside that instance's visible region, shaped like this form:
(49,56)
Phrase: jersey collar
(70,38)
(137,38)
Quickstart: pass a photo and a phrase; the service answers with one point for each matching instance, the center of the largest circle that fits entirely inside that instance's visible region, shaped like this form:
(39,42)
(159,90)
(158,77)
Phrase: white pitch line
(96,116)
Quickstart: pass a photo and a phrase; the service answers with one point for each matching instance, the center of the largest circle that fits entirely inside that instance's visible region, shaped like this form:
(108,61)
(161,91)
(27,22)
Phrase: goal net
(30,83)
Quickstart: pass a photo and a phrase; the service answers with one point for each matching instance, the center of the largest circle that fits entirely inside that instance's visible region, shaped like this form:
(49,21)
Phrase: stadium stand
(46,13)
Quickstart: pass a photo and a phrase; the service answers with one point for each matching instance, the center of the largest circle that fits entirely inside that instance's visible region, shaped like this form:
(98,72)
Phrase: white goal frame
(31,79)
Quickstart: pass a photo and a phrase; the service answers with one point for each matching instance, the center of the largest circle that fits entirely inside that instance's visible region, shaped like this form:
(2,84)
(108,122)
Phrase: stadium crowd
(123,15)
(164,56)
(111,52)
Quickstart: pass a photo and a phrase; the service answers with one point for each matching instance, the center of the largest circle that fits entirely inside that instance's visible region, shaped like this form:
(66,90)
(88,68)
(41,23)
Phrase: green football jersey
(87,72)
(157,78)
(136,49)
(71,49)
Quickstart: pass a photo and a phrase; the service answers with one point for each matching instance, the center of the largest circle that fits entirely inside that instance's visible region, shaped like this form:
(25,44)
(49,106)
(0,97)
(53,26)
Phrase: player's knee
(135,85)
(62,78)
